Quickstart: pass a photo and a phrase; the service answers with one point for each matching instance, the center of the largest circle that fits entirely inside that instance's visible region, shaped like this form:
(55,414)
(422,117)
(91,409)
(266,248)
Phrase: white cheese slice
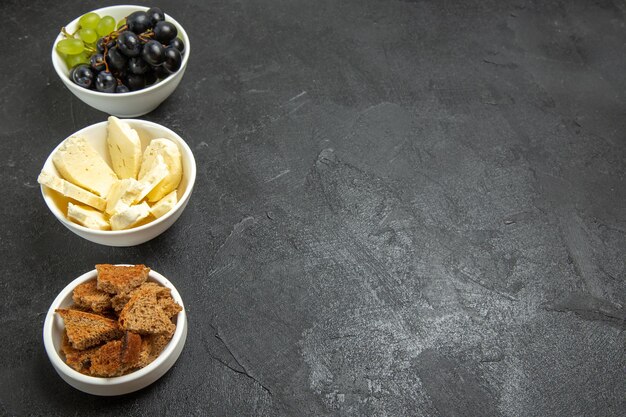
(70,190)
(170,153)
(123,193)
(88,217)
(153,177)
(164,205)
(129,217)
(79,163)
(124,148)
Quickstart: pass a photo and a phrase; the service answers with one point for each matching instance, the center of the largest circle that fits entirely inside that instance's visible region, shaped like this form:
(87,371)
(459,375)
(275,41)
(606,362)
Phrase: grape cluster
(142,49)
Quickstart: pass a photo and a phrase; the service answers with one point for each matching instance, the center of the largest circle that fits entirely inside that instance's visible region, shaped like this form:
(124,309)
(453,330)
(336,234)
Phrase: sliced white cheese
(129,217)
(79,163)
(164,205)
(153,177)
(88,217)
(124,148)
(170,153)
(70,190)
(123,193)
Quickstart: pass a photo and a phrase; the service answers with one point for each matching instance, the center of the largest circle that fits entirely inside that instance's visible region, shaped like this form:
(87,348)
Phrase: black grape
(135,82)
(178,44)
(161,72)
(106,82)
(128,43)
(83,76)
(139,22)
(156,15)
(115,59)
(164,32)
(153,53)
(138,66)
(173,59)
(151,77)
(100,45)
(97,62)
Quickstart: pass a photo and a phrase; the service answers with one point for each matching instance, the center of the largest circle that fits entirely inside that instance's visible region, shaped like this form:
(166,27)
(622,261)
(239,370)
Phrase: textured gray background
(402,209)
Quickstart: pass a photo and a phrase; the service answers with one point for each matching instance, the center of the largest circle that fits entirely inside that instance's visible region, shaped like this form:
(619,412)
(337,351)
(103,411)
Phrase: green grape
(105,26)
(70,46)
(88,35)
(89,20)
(121,23)
(73,60)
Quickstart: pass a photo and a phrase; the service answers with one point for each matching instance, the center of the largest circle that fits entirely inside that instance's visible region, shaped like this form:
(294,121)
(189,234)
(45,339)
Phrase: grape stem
(113,35)
(104,56)
(65,33)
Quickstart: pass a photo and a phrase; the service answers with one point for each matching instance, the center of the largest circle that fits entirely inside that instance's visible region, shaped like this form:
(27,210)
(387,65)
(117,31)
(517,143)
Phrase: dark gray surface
(402,208)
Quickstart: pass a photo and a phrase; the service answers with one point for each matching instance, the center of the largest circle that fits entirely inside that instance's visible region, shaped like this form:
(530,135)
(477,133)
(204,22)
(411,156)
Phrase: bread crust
(116,279)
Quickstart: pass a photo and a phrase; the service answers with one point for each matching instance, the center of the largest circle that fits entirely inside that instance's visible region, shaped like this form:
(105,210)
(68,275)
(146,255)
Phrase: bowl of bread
(119,182)
(115,329)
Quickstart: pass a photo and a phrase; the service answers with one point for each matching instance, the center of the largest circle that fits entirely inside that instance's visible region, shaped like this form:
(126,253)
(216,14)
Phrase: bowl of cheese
(119,182)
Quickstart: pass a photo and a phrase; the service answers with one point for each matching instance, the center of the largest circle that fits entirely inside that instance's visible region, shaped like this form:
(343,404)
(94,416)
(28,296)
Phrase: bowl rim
(63,367)
(56,59)
(191,162)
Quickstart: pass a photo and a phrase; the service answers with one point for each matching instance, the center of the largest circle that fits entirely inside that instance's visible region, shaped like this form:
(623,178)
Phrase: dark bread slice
(116,357)
(66,346)
(156,288)
(80,360)
(131,349)
(163,294)
(85,330)
(113,358)
(87,295)
(143,314)
(151,348)
(169,306)
(118,301)
(106,361)
(164,297)
(121,279)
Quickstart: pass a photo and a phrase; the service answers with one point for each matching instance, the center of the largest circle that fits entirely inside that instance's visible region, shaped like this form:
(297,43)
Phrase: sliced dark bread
(163,294)
(151,348)
(88,296)
(113,358)
(85,330)
(169,306)
(164,297)
(118,301)
(143,314)
(121,279)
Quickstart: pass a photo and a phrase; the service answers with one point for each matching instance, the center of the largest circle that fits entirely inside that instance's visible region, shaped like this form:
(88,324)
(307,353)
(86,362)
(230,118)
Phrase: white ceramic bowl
(53,332)
(96,135)
(134,103)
